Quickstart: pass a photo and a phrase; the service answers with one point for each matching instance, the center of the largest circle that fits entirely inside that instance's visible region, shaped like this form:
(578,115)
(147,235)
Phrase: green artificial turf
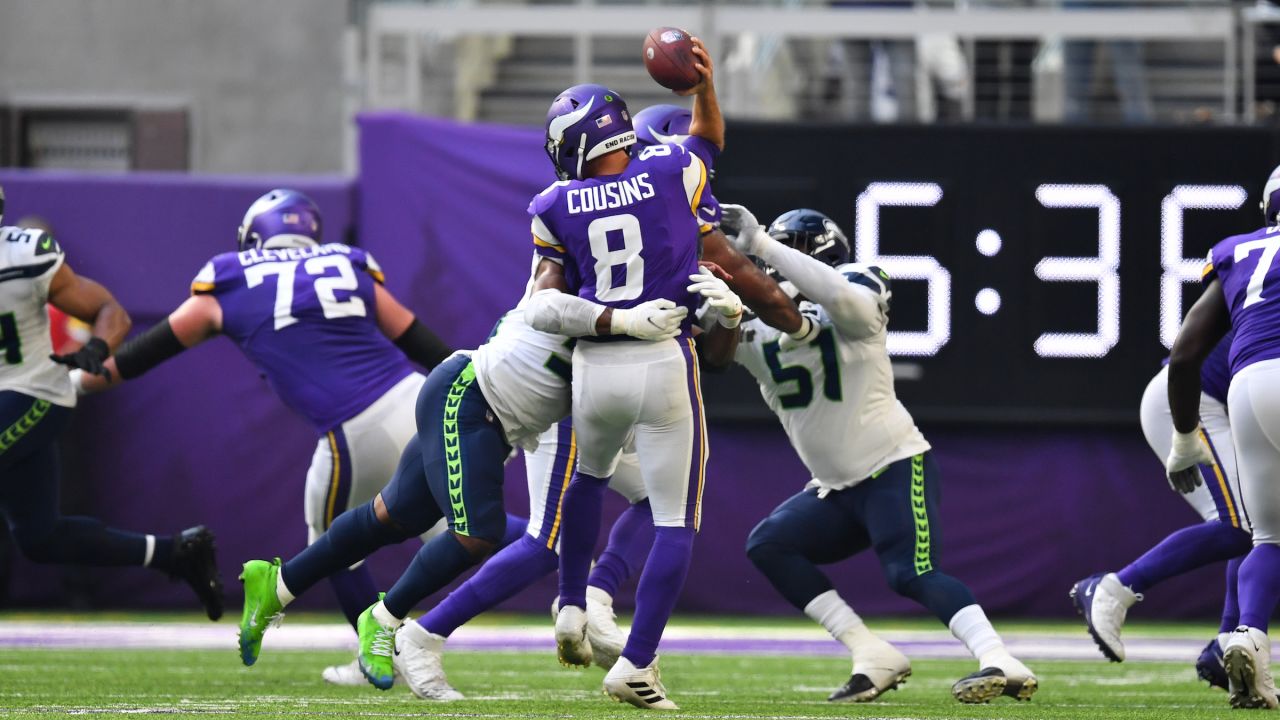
(191,683)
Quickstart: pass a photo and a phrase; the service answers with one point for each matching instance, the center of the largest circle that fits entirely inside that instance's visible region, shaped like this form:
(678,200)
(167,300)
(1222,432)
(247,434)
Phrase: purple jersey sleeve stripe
(702,186)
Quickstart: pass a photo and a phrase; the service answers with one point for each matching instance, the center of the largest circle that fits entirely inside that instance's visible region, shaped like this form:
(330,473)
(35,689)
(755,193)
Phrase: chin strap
(582,153)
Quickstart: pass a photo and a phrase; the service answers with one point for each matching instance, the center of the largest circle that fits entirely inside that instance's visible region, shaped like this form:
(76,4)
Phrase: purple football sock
(355,591)
(516,526)
(580,526)
(629,543)
(660,586)
(512,569)
(1183,551)
(1259,586)
(1231,603)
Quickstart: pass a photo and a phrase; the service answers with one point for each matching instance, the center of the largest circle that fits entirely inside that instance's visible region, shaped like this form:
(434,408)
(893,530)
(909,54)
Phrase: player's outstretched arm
(1206,323)
(89,302)
(717,345)
(196,320)
(758,291)
(402,327)
(855,309)
(707,122)
(551,309)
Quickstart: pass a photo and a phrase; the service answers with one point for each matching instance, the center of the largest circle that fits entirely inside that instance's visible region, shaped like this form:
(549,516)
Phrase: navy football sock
(1183,551)
(516,527)
(660,586)
(511,570)
(629,543)
(942,594)
(355,590)
(580,523)
(437,564)
(1231,603)
(352,537)
(87,541)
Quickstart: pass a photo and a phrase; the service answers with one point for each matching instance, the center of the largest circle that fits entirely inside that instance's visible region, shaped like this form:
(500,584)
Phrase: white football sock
(1223,639)
(151,551)
(971,627)
(831,612)
(282,591)
(384,616)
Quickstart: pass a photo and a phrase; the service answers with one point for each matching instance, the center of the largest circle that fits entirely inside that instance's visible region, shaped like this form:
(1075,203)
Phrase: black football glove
(88,358)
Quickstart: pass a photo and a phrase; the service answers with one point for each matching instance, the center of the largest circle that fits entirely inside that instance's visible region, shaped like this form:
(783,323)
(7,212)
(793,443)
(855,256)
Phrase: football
(669,58)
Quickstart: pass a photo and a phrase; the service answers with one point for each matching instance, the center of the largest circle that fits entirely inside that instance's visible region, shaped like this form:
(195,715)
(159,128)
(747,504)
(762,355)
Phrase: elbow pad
(552,311)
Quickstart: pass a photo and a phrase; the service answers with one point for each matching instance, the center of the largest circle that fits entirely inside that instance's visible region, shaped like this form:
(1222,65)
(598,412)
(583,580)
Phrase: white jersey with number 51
(835,395)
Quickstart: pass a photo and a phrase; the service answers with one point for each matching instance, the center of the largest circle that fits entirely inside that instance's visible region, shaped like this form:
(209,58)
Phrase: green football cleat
(262,607)
(377,643)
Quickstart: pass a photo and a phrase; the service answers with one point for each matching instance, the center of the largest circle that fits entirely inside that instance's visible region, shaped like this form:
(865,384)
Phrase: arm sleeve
(147,349)
(552,311)
(855,309)
(422,346)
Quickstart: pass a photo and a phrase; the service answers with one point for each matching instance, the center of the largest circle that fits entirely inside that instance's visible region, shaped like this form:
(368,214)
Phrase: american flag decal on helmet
(604,120)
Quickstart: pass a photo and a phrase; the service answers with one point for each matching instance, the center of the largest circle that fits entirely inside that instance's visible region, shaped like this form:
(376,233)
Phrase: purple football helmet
(1271,197)
(585,122)
(281,218)
(662,125)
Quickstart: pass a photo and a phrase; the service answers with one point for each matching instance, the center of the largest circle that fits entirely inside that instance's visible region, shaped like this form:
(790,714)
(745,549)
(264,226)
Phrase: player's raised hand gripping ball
(669,57)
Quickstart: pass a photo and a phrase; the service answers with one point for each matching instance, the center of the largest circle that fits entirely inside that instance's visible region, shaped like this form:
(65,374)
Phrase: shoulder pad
(547,197)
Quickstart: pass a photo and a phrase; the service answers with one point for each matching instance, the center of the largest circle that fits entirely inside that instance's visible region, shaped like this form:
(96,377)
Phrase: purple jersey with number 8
(306,317)
(629,238)
(1250,275)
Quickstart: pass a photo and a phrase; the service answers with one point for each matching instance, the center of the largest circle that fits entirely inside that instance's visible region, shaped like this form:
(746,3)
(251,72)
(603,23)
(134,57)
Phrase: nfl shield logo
(671,36)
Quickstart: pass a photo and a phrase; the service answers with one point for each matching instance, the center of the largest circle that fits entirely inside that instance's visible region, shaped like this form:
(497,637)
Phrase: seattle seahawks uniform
(36,398)
(28,261)
(874,482)
(305,317)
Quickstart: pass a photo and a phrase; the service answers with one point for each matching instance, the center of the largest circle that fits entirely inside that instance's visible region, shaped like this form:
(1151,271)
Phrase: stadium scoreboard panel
(1039,274)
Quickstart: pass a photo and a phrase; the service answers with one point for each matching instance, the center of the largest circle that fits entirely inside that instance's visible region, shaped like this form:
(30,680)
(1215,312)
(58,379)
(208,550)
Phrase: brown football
(669,58)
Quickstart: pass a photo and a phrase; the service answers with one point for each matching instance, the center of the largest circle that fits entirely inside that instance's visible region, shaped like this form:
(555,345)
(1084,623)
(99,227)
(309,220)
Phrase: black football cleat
(195,563)
(860,688)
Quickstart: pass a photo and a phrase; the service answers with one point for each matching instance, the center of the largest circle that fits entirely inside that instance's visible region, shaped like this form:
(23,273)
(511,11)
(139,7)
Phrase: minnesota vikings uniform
(305,318)
(1103,599)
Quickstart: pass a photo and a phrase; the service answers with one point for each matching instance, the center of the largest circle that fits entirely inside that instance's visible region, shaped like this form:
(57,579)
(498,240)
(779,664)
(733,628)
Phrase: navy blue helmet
(812,233)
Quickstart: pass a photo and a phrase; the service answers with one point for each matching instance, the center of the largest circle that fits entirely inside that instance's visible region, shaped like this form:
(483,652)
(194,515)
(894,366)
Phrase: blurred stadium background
(962,143)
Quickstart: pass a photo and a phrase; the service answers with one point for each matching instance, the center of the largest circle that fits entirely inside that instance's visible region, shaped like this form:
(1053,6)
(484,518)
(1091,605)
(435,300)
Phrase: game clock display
(1039,274)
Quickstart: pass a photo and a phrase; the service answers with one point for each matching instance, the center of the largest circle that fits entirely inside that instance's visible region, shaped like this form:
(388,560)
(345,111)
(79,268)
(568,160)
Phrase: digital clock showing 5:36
(1039,274)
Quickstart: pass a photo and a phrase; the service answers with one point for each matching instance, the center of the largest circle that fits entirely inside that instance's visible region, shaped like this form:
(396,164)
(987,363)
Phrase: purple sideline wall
(441,205)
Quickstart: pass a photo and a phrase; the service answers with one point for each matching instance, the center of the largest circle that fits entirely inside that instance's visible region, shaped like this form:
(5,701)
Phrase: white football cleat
(417,660)
(572,644)
(1247,659)
(1104,601)
(1001,674)
(607,639)
(877,668)
(348,675)
(641,687)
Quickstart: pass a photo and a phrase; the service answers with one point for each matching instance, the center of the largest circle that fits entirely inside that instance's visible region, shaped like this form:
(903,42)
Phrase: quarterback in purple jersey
(618,231)
(331,341)
(1105,598)
(1242,283)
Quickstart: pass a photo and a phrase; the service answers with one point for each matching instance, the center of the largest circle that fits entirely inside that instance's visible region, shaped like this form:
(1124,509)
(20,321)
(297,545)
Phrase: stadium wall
(1027,509)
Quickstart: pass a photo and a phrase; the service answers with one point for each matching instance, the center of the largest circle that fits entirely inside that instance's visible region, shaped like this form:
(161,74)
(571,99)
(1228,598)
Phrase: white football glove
(77,381)
(726,303)
(652,320)
(745,233)
(1185,457)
